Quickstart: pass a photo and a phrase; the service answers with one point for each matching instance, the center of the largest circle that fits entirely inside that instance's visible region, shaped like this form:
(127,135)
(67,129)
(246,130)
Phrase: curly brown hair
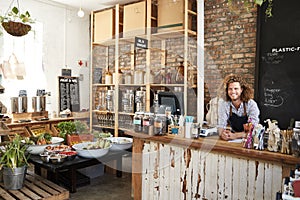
(247,93)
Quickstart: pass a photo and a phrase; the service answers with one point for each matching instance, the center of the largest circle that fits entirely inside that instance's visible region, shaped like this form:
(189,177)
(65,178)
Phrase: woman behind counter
(237,108)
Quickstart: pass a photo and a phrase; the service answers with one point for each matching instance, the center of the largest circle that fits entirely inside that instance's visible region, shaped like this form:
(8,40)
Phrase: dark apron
(237,122)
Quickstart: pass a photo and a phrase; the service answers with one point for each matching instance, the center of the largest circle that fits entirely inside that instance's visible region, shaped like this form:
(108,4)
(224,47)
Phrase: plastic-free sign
(141,43)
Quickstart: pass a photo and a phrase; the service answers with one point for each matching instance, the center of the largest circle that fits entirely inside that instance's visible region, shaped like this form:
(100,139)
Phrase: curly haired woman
(237,109)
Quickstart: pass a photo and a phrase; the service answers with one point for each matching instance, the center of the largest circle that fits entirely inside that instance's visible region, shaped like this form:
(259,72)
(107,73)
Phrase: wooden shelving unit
(158,27)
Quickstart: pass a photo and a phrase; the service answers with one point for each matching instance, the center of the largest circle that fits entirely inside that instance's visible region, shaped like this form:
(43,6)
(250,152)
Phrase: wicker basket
(16,28)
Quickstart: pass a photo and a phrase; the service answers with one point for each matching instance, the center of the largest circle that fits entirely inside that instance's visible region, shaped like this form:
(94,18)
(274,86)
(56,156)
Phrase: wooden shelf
(149,21)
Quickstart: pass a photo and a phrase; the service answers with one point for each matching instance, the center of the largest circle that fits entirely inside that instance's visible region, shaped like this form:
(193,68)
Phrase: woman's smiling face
(234,91)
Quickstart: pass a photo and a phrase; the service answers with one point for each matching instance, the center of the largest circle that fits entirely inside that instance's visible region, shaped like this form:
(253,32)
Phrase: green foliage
(66,128)
(246,3)
(81,127)
(16,16)
(14,154)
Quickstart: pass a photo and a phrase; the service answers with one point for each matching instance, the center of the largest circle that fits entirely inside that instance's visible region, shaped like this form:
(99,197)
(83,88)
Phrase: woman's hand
(228,135)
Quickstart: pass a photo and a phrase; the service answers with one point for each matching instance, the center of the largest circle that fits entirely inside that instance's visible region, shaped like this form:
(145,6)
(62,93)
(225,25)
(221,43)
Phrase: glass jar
(138,77)
(117,76)
(108,77)
(110,100)
(127,78)
(128,101)
(138,121)
(160,126)
(148,121)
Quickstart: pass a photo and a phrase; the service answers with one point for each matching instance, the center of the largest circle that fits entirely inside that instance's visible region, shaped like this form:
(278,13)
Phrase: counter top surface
(35,122)
(214,144)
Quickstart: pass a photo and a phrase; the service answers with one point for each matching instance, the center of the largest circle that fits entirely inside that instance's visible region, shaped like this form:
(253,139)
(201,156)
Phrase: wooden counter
(169,167)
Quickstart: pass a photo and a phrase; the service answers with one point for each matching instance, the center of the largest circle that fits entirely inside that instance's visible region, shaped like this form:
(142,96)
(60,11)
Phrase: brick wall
(230,43)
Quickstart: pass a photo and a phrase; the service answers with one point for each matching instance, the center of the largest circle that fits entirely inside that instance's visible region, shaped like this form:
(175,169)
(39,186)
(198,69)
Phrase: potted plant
(16,23)
(14,163)
(66,128)
(75,132)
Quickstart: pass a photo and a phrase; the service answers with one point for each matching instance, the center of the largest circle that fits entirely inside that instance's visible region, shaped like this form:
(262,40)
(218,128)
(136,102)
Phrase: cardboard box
(170,15)
(104,25)
(134,19)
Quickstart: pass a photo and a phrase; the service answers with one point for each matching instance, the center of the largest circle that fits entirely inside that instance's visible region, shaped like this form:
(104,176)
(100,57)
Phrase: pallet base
(35,187)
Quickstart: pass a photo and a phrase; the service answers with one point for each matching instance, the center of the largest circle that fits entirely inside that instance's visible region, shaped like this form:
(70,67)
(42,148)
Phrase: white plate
(120,143)
(37,149)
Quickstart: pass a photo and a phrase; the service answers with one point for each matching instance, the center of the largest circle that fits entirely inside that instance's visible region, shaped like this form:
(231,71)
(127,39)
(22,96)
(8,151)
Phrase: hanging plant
(246,3)
(16,23)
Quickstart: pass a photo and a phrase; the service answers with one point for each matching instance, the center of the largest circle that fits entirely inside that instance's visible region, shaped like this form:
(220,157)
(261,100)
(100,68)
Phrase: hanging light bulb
(80,13)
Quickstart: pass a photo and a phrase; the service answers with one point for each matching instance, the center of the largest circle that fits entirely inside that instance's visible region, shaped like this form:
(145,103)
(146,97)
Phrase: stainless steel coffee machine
(19,104)
(39,103)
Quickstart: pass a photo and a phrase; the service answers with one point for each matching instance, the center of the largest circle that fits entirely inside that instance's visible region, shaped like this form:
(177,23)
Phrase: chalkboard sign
(278,80)
(69,93)
(97,75)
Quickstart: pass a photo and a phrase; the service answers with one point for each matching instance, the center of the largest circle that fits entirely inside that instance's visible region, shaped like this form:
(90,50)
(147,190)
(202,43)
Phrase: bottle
(160,127)
(168,76)
(137,121)
(180,74)
(116,77)
(108,77)
(110,100)
(168,113)
(146,123)
(155,104)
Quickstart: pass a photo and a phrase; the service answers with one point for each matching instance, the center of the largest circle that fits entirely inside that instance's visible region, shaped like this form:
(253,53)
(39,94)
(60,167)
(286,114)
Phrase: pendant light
(80,12)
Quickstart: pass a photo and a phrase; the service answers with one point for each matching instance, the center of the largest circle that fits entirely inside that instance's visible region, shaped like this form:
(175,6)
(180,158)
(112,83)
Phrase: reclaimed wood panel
(145,170)
(172,172)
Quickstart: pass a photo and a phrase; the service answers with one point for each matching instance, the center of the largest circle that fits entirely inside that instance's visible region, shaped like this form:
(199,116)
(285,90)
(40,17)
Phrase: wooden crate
(38,129)
(35,187)
(80,115)
(54,129)
(22,131)
(29,115)
(170,15)
(75,139)
(104,28)
(134,19)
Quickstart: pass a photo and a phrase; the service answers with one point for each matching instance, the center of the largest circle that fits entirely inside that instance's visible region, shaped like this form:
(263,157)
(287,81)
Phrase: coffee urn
(19,104)
(39,103)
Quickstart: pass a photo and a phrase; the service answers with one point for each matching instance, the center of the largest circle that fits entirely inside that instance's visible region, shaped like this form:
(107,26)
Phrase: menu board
(278,80)
(69,93)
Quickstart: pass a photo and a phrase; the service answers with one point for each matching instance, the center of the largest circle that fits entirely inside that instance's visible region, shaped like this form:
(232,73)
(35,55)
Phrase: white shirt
(251,110)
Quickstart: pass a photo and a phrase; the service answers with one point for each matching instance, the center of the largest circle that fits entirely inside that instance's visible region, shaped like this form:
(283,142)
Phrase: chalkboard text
(285,49)
(273,98)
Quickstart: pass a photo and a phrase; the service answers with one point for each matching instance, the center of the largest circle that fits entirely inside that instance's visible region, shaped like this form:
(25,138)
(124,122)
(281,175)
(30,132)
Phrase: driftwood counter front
(168,167)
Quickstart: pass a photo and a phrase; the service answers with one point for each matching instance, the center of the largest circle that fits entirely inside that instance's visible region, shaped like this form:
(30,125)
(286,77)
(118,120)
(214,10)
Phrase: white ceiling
(92,5)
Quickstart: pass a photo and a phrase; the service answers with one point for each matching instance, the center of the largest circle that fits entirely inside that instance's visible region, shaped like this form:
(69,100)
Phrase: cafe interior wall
(65,41)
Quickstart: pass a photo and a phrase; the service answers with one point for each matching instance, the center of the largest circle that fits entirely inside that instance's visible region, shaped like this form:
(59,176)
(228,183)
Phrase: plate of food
(37,145)
(120,143)
(93,149)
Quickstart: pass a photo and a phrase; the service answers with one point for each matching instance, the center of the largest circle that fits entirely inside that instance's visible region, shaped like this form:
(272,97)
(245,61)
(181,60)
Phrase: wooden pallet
(35,187)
